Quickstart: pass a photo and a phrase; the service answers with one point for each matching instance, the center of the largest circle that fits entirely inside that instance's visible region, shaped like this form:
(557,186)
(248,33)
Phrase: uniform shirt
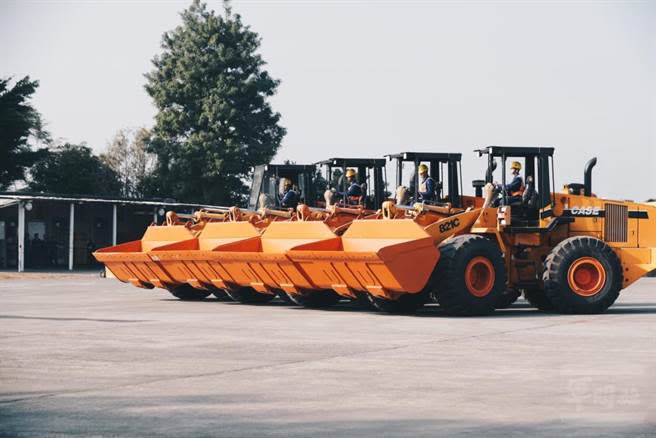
(353,190)
(515,185)
(289,199)
(426,189)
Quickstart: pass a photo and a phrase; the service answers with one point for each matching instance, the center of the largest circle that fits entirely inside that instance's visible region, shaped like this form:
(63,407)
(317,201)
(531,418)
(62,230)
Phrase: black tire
(448,285)
(188,293)
(284,296)
(507,298)
(538,299)
(362,300)
(604,289)
(315,298)
(248,295)
(220,294)
(405,304)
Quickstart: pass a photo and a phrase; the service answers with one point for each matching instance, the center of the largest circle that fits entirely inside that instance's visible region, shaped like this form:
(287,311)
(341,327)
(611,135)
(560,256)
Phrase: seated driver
(290,197)
(426,185)
(354,190)
(515,188)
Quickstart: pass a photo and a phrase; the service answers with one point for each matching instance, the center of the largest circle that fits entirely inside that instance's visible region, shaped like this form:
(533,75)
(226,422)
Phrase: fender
(452,225)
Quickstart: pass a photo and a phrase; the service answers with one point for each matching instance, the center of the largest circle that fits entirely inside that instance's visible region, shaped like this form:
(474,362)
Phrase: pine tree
(214,121)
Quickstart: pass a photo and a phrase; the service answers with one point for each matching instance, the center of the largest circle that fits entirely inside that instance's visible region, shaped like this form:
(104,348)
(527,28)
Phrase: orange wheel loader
(567,251)
(570,252)
(258,269)
(388,261)
(328,278)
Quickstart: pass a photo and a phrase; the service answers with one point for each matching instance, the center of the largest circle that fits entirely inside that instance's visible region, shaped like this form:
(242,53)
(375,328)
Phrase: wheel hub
(586,276)
(479,276)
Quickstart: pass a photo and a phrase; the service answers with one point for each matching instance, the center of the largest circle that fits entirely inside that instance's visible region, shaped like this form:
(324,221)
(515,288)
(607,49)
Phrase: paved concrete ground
(92,356)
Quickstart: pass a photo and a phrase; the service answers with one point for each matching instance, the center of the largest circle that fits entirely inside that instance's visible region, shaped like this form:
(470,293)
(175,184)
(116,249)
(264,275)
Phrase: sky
(372,78)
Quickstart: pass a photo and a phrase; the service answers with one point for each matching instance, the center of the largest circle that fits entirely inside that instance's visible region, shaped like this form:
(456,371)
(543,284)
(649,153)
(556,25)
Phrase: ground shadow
(206,415)
(520,309)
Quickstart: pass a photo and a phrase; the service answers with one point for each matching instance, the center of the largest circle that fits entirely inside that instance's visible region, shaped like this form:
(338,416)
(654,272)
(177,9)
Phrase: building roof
(9,198)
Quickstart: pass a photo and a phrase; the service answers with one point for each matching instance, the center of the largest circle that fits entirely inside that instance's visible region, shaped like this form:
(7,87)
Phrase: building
(42,231)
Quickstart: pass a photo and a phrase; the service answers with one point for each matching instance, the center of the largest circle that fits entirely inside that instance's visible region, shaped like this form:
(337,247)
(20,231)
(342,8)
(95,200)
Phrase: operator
(290,197)
(354,190)
(515,189)
(426,185)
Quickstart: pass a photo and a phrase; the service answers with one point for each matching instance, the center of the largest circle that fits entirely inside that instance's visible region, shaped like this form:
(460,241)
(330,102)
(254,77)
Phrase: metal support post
(21,237)
(71,232)
(114,224)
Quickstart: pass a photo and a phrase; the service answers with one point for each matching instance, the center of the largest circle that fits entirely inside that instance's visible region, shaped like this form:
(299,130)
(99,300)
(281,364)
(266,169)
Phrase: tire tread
(554,267)
(448,293)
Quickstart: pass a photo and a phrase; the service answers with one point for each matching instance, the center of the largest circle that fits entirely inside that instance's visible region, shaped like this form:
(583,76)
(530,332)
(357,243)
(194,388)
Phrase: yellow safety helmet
(516,165)
(350,173)
(423,168)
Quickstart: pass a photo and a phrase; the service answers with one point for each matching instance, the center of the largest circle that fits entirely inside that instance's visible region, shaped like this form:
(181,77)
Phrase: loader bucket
(260,262)
(382,257)
(194,262)
(130,263)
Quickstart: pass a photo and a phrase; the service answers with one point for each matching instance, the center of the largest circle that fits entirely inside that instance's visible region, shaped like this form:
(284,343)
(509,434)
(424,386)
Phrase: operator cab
(443,168)
(534,195)
(369,176)
(267,187)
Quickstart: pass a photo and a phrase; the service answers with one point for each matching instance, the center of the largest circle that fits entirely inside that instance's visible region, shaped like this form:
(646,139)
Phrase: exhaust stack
(587,182)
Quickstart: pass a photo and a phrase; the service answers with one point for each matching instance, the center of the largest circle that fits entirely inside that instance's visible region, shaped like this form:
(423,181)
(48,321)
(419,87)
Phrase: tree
(214,122)
(127,155)
(73,169)
(19,123)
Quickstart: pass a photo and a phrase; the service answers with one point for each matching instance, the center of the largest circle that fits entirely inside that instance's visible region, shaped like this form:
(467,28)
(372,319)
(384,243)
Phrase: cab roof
(369,162)
(516,151)
(288,167)
(425,156)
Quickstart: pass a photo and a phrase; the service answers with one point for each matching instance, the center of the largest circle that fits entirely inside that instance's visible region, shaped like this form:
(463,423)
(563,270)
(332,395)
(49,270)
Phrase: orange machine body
(629,228)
